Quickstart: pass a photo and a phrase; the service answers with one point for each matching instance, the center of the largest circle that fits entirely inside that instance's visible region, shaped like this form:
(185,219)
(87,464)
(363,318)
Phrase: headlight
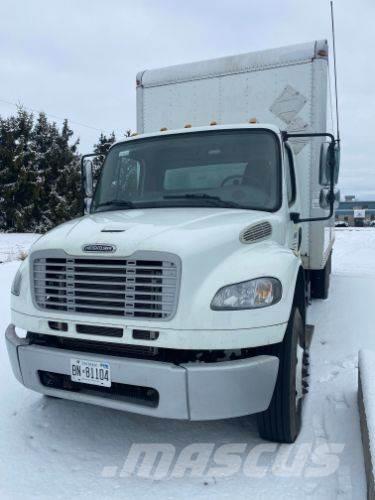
(16,285)
(253,294)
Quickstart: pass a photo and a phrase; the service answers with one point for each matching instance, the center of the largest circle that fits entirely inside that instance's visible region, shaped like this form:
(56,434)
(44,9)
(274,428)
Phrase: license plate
(90,372)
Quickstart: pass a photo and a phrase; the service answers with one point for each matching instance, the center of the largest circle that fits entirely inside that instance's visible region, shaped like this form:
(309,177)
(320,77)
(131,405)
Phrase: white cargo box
(287,87)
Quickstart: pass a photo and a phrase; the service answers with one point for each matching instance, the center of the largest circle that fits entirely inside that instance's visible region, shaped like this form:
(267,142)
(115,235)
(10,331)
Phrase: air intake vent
(256,232)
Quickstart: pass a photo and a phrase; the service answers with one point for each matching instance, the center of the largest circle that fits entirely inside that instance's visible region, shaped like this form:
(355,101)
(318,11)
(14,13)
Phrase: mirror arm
(294,216)
(287,135)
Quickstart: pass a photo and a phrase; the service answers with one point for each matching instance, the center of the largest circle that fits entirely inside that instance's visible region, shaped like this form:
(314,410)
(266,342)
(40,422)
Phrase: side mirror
(87,179)
(87,183)
(328,174)
(325,198)
(329,159)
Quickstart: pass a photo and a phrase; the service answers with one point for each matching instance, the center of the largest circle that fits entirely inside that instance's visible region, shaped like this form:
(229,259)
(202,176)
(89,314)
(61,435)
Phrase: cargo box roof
(252,61)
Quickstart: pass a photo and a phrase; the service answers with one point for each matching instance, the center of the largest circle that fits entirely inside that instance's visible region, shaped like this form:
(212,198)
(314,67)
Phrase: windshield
(230,168)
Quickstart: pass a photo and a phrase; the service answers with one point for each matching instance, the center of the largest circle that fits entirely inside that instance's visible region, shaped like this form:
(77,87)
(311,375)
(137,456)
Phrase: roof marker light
(253,120)
(163,129)
(188,125)
(213,123)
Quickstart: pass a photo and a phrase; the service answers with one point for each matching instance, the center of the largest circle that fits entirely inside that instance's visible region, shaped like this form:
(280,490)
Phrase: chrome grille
(135,288)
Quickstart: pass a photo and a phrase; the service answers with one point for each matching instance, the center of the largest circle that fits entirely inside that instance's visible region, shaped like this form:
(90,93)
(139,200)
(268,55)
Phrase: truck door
(294,231)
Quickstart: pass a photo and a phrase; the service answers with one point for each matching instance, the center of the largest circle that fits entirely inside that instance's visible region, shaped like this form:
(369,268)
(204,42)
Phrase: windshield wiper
(116,204)
(208,199)
(212,200)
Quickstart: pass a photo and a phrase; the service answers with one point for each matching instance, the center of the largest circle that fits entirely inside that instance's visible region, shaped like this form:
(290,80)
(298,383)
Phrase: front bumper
(227,337)
(192,391)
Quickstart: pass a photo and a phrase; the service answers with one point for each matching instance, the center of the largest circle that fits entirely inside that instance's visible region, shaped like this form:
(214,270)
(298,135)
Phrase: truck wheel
(281,422)
(320,281)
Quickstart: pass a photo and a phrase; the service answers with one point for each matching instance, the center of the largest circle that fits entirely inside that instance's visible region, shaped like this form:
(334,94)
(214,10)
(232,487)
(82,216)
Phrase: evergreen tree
(40,172)
(41,146)
(58,173)
(18,180)
(68,184)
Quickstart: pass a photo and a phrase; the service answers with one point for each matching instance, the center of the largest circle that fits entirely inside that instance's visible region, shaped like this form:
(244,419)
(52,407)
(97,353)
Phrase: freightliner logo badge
(99,247)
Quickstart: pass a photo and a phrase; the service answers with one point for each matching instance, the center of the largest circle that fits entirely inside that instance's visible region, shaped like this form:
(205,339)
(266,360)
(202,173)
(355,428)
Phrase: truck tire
(281,422)
(320,281)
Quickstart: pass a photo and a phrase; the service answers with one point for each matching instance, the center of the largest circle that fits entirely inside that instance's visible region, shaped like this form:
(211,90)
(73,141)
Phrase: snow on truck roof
(251,61)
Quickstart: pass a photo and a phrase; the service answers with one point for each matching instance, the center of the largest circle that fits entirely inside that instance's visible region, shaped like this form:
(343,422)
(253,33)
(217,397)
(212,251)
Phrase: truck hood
(176,230)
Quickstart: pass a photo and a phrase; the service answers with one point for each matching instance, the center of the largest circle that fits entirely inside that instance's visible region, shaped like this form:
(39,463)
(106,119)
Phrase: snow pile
(366,368)
(15,246)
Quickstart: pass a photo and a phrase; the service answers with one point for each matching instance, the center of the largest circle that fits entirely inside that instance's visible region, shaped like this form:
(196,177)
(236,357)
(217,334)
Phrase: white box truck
(182,291)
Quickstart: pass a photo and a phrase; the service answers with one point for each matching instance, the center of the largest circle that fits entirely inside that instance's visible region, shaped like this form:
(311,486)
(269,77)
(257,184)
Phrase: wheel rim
(299,375)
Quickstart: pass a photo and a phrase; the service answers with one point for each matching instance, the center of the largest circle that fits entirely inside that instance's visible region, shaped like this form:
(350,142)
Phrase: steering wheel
(229,178)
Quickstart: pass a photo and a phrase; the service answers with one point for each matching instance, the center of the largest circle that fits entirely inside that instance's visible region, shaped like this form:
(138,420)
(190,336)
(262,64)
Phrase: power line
(52,115)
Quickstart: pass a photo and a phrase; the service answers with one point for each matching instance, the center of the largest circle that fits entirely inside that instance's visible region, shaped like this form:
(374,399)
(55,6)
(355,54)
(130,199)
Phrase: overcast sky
(78,58)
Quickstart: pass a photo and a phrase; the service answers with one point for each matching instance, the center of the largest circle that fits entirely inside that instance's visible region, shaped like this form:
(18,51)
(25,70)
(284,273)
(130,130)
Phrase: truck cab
(182,291)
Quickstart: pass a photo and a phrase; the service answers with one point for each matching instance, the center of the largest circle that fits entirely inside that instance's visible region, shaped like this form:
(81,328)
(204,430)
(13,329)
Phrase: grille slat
(122,292)
(162,285)
(42,264)
(136,288)
(51,275)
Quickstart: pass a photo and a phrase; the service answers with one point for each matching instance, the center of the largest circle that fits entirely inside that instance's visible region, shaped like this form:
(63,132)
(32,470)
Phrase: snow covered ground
(60,449)
(12,246)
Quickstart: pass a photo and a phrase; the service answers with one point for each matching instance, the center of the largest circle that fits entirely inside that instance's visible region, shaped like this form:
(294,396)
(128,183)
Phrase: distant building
(355,212)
